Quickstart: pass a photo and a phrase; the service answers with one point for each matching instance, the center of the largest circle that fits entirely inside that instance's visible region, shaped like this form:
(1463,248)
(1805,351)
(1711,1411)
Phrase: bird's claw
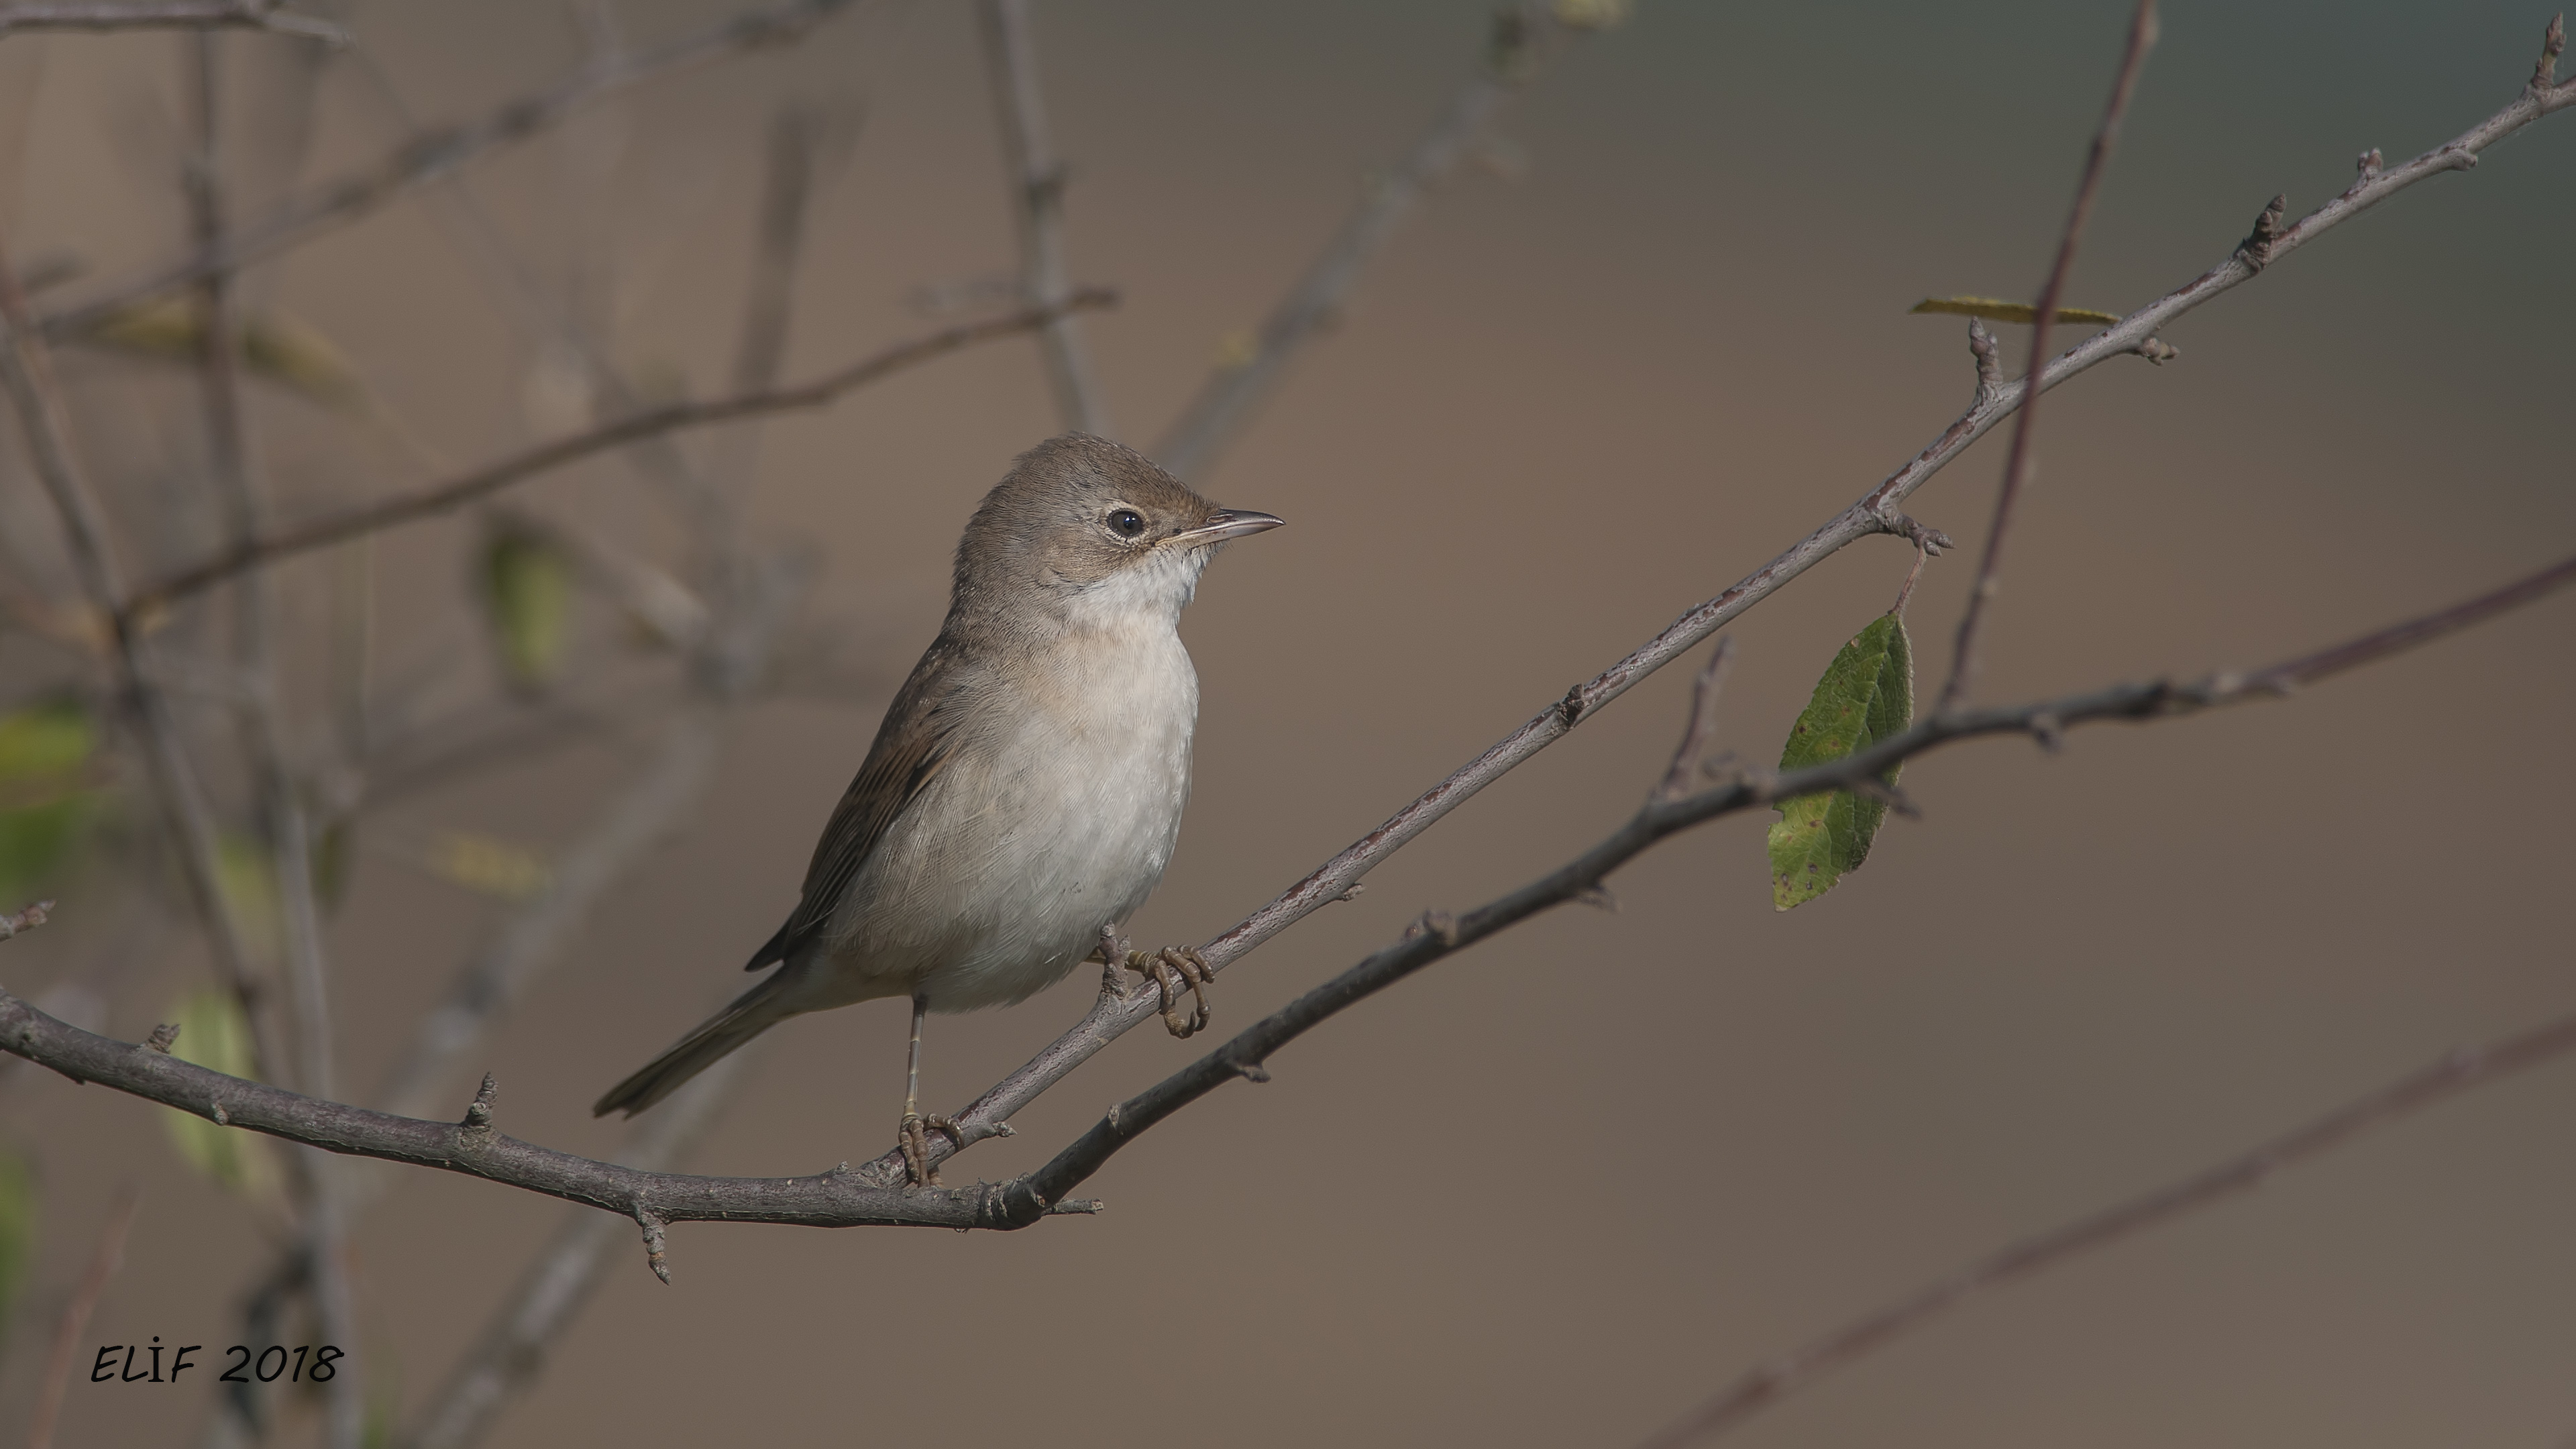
(1172,968)
(914,1136)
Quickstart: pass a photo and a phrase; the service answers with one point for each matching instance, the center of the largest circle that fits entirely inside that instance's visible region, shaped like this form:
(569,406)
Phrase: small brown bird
(1025,790)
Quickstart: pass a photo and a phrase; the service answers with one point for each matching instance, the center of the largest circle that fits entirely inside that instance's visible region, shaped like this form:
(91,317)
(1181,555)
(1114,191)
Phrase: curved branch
(834,1199)
(167,15)
(1878,511)
(545,457)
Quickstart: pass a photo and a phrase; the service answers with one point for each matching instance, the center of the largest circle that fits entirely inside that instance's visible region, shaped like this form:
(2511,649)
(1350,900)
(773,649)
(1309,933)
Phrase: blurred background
(1654,330)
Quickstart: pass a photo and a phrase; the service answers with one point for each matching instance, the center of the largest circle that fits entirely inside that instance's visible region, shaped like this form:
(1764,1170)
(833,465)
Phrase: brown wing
(911,745)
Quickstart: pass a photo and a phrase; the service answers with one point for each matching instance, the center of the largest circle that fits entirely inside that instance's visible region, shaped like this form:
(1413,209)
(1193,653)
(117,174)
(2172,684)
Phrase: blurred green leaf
(17,1227)
(46,803)
(1866,695)
(214,1034)
(527,596)
(274,347)
(1995,309)
(246,873)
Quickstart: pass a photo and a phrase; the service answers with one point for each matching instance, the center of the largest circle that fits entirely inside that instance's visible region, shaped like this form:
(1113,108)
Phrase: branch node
(646,1219)
(1570,709)
(2553,43)
(1250,1071)
(2049,730)
(2366,168)
(478,1113)
(26,920)
(1599,898)
(2256,249)
(1990,366)
(1435,923)
(1352,892)
(215,1109)
(163,1037)
(2157,351)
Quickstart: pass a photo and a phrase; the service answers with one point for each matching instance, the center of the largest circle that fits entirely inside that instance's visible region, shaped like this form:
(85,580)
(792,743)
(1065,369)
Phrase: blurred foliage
(527,586)
(215,1035)
(46,801)
(274,347)
(1867,694)
(246,873)
(489,865)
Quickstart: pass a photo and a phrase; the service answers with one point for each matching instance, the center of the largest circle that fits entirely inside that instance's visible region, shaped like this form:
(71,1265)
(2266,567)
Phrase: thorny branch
(1524,37)
(1878,511)
(435,153)
(1963,662)
(847,1198)
(544,457)
(2458,1071)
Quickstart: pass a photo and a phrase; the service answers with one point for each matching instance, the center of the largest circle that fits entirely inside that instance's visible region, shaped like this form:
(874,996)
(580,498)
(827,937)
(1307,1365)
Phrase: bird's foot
(1172,968)
(914,1136)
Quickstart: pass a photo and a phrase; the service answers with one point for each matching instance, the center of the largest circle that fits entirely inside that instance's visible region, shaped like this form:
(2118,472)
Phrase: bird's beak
(1228,523)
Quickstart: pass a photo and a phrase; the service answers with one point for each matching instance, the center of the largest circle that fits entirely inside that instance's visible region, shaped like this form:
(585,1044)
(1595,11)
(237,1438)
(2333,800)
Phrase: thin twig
(1523,38)
(27,369)
(1037,200)
(849,1198)
(104,1260)
(236,486)
(25,920)
(544,457)
(1692,752)
(435,153)
(167,15)
(2456,1072)
(2097,162)
(1878,511)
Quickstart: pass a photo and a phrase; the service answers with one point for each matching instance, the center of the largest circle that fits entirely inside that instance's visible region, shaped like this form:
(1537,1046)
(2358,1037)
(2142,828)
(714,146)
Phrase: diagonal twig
(544,457)
(104,1260)
(2097,161)
(2457,1072)
(90,15)
(1523,38)
(435,153)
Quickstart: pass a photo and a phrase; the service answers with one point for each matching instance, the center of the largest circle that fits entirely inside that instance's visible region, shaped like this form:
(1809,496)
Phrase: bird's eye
(1126,523)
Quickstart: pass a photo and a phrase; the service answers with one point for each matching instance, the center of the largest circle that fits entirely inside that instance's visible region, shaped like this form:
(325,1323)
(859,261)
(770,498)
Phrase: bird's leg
(916,1129)
(1172,968)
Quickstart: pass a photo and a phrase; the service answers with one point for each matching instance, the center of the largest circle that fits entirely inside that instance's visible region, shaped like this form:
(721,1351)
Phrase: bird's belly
(1026,843)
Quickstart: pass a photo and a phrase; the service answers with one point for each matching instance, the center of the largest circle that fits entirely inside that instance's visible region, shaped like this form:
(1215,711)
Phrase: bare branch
(847,1198)
(545,457)
(1037,199)
(90,15)
(104,1260)
(833,1199)
(1963,662)
(1692,753)
(437,152)
(1523,39)
(1441,935)
(2457,1072)
(25,920)
(1877,511)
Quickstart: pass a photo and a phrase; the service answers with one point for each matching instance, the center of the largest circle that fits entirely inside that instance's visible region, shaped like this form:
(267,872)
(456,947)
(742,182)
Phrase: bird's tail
(751,1013)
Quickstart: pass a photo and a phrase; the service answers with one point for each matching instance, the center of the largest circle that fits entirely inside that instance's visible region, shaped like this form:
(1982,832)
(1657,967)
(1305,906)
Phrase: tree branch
(1963,659)
(434,153)
(545,457)
(1878,511)
(847,1198)
(167,15)
(1037,200)
(2458,1071)
(1438,935)
(104,1260)
(833,1199)
(1523,38)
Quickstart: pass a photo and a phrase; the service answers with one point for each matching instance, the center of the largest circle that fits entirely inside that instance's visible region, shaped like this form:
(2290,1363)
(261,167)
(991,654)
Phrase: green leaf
(46,804)
(527,596)
(215,1035)
(17,1227)
(1866,695)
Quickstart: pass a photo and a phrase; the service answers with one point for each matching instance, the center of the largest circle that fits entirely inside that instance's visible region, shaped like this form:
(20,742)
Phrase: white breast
(1055,814)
